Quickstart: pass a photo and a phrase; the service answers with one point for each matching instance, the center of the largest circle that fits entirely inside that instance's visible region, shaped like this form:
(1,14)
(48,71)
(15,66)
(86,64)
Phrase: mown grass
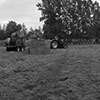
(63,74)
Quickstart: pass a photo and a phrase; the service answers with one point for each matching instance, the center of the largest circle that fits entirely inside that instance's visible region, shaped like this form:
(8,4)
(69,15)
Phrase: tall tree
(76,17)
(51,12)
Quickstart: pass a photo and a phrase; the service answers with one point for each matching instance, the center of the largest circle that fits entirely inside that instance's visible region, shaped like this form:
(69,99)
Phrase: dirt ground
(63,74)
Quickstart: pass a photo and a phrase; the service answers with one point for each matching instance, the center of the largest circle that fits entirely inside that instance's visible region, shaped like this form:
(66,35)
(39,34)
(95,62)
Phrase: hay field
(62,74)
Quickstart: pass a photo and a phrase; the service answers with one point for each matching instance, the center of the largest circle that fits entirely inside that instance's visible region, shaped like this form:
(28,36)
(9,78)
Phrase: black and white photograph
(49,49)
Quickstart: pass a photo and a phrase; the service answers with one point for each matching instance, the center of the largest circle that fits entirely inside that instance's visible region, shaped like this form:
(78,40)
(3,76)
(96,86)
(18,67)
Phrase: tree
(51,15)
(2,33)
(35,34)
(12,27)
(76,17)
(18,27)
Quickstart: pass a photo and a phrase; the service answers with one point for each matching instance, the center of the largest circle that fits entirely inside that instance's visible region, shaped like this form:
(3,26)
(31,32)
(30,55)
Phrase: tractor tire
(54,44)
(18,42)
(65,45)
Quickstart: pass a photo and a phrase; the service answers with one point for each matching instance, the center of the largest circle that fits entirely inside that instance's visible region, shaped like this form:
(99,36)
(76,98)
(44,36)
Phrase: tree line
(67,18)
(8,29)
(70,18)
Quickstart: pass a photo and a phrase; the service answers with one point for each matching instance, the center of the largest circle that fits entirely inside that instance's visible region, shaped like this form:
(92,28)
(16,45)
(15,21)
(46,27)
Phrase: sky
(21,11)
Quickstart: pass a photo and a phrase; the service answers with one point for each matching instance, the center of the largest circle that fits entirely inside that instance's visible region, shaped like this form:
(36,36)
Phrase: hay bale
(2,43)
(34,46)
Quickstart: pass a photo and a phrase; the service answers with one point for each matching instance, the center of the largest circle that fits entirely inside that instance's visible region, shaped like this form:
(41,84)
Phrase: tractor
(16,42)
(58,42)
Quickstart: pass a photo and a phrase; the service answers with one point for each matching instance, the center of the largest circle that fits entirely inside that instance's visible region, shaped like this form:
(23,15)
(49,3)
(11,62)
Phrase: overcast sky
(21,11)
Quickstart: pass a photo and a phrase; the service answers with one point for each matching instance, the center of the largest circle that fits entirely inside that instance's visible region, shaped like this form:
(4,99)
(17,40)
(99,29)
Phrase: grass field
(62,74)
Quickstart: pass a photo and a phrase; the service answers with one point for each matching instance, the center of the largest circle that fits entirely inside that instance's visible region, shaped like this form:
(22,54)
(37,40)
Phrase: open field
(63,74)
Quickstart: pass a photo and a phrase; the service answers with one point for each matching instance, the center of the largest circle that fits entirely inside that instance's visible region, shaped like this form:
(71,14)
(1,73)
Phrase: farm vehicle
(16,42)
(58,42)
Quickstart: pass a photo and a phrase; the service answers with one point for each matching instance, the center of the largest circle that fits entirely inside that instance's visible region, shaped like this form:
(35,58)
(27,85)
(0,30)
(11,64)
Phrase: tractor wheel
(65,45)
(18,42)
(54,44)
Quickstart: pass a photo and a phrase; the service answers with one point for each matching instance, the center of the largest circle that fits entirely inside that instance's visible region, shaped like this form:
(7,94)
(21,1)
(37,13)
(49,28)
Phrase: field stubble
(62,74)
